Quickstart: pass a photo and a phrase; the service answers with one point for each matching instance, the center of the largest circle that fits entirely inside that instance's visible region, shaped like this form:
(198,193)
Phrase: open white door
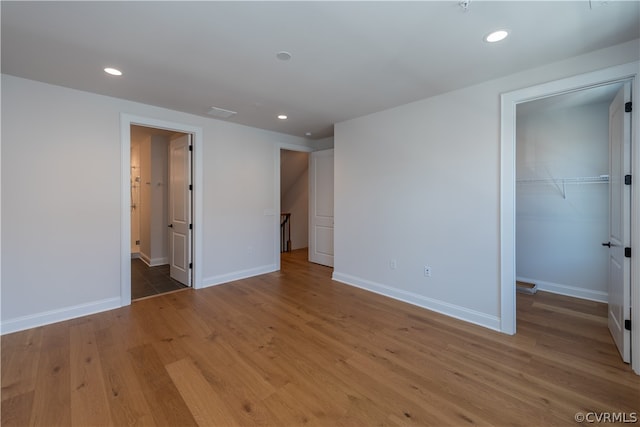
(321,207)
(180,209)
(620,221)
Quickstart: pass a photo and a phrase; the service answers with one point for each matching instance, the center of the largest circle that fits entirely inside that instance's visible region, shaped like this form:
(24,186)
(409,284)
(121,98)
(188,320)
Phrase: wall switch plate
(427,271)
(393,264)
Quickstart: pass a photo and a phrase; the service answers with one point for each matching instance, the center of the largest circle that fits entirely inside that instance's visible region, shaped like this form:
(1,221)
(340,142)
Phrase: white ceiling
(349,58)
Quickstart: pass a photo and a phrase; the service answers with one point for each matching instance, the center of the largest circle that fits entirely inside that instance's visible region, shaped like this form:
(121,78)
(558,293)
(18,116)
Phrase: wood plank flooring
(295,348)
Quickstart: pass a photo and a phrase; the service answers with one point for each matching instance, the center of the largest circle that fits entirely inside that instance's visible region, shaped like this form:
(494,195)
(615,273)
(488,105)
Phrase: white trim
(126,120)
(276,194)
(59,315)
(635,223)
(238,275)
(442,307)
(568,290)
(509,101)
(152,262)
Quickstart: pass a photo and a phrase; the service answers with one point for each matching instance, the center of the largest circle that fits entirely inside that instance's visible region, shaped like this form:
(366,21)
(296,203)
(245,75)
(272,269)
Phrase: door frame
(276,195)
(508,101)
(126,120)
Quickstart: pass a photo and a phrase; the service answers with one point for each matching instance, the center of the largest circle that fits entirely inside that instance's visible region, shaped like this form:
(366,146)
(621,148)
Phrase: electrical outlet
(427,271)
(393,264)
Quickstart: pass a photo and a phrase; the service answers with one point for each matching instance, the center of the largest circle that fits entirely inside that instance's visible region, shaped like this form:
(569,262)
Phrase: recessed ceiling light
(496,36)
(308,134)
(282,117)
(283,56)
(113,71)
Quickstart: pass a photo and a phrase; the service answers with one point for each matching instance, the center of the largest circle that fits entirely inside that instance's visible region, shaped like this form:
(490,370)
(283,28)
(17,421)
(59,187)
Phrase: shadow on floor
(147,281)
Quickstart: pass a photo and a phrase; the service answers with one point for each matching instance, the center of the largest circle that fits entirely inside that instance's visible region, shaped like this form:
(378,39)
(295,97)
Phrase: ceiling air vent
(221,113)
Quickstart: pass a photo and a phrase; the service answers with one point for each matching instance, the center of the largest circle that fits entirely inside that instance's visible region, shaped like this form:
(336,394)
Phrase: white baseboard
(53,316)
(153,262)
(144,258)
(458,312)
(158,261)
(237,275)
(567,290)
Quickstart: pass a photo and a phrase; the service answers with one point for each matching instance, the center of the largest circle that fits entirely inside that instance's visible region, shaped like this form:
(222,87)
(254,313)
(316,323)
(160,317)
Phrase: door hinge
(190,265)
(191,148)
(190,226)
(627,180)
(190,187)
(627,107)
(627,324)
(627,252)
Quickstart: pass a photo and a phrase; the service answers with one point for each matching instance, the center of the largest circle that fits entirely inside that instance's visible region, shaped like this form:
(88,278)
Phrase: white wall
(558,240)
(153,202)
(144,142)
(419,184)
(158,219)
(61,224)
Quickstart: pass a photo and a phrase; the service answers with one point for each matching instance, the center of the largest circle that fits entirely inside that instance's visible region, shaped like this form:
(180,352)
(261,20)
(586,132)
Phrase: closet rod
(575,180)
(560,183)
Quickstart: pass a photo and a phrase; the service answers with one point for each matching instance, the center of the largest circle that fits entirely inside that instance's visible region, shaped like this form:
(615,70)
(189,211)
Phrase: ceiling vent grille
(221,113)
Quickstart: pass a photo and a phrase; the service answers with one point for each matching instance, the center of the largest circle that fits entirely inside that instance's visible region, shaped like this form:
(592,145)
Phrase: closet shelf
(560,183)
(575,180)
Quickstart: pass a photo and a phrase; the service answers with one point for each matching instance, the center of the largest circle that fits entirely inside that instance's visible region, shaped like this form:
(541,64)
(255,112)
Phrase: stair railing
(285,228)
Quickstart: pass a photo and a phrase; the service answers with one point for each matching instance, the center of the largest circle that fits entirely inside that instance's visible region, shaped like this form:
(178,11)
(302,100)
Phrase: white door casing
(619,290)
(321,207)
(180,209)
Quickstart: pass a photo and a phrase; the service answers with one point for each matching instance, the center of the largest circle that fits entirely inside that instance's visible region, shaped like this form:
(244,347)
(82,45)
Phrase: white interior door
(180,209)
(321,207)
(620,221)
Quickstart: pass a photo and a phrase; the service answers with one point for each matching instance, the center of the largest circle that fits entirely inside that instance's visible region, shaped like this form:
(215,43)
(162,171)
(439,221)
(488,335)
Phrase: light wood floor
(294,348)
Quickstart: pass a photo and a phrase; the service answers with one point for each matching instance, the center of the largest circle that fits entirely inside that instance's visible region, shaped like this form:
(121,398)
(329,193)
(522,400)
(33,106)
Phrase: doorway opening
(508,183)
(294,201)
(304,192)
(563,210)
(562,192)
(157,176)
(191,161)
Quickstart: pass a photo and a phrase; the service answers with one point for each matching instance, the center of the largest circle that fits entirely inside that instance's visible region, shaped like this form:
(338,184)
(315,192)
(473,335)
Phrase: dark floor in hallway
(147,281)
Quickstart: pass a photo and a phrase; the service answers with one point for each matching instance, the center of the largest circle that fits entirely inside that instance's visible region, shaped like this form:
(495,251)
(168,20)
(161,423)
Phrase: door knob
(171,226)
(608,244)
